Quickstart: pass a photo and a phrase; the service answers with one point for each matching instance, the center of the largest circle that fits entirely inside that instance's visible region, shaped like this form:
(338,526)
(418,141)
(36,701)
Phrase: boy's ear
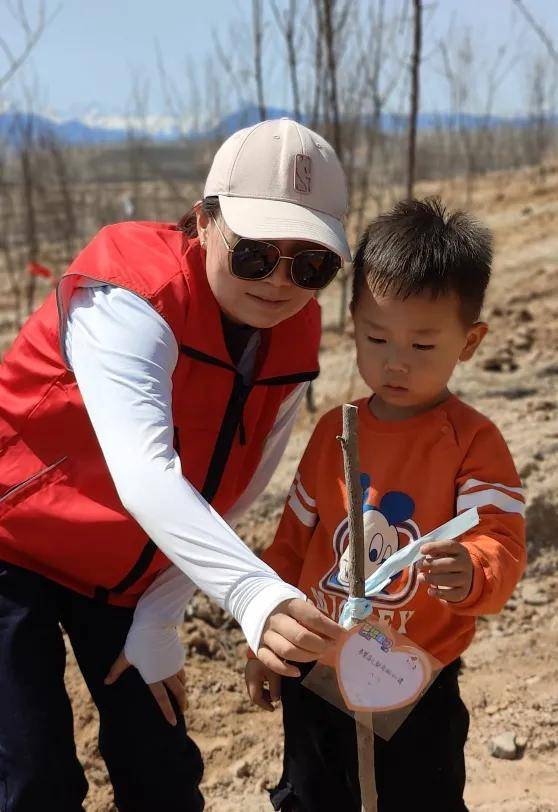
(475,335)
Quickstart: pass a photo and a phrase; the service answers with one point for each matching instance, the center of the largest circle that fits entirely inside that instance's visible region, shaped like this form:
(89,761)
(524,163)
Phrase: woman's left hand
(296,630)
(175,684)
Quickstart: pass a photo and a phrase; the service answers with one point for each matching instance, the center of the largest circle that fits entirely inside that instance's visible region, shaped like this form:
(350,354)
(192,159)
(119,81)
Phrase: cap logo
(303,174)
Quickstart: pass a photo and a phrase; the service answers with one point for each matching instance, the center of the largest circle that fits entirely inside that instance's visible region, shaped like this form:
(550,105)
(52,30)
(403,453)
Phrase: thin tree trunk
(413,114)
(258,72)
(28,190)
(333,105)
(287,26)
(318,69)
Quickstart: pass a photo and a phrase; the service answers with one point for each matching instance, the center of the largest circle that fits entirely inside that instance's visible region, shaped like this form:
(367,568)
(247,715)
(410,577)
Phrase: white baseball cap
(280,180)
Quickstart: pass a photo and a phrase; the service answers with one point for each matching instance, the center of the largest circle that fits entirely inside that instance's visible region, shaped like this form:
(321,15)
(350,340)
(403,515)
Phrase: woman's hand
(175,685)
(263,685)
(296,630)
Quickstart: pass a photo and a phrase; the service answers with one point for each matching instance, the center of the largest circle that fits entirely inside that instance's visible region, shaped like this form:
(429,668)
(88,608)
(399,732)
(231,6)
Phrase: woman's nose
(281,273)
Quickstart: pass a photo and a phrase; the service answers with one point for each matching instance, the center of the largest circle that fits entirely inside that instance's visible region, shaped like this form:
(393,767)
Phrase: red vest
(60,514)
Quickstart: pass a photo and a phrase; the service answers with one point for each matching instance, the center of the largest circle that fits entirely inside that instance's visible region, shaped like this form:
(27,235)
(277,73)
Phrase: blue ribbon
(355,609)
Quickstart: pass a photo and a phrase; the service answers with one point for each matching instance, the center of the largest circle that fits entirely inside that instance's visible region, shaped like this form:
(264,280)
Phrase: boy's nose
(396,363)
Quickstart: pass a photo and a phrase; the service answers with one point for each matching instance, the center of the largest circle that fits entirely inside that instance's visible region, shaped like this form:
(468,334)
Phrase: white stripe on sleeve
(302,490)
(304,515)
(475,483)
(490,497)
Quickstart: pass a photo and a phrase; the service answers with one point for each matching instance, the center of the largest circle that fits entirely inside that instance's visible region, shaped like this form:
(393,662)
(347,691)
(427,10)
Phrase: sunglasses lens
(315,269)
(252,259)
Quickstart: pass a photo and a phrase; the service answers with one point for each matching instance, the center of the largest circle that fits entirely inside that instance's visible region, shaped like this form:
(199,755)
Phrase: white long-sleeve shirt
(123,355)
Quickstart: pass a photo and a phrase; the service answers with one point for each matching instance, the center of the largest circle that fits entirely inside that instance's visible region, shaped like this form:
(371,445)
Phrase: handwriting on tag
(376,672)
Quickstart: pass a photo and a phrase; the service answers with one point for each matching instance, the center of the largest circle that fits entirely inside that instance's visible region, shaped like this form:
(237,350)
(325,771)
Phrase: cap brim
(263,219)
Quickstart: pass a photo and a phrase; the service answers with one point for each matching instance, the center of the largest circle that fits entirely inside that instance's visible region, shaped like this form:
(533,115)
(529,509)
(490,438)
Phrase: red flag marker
(36,269)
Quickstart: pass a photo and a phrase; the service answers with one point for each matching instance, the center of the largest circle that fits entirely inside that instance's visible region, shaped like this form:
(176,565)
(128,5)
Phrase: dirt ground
(510,677)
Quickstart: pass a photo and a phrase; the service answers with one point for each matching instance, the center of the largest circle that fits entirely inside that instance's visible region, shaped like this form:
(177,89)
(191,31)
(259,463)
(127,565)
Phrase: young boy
(420,277)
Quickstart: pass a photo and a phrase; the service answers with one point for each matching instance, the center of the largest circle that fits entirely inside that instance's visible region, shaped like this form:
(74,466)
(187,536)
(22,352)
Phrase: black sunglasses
(256,259)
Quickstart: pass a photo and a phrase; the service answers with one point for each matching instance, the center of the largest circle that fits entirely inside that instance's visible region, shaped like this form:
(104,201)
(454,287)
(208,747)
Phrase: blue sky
(91,51)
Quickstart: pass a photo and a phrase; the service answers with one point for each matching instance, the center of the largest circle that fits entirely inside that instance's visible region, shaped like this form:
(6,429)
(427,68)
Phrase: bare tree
(242,59)
(413,113)
(286,22)
(319,82)
(8,219)
(31,30)
(538,29)
(28,179)
(458,74)
(230,61)
(257,28)
(331,32)
(540,99)
(63,208)
(385,47)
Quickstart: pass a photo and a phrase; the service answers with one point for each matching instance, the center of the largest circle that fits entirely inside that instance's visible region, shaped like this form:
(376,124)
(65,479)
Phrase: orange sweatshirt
(416,474)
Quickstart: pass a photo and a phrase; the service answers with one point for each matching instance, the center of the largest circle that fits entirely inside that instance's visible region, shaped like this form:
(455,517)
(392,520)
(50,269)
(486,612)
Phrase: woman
(142,409)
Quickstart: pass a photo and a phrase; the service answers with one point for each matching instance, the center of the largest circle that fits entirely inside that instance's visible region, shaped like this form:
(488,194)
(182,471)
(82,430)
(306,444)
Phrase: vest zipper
(232,422)
(21,485)
(233,419)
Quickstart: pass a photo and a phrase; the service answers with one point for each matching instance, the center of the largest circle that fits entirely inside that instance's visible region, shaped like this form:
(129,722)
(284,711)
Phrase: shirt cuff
(254,599)
(157,653)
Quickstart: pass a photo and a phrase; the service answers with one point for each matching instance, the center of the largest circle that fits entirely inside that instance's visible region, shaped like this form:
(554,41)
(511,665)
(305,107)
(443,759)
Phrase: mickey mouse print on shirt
(387,528)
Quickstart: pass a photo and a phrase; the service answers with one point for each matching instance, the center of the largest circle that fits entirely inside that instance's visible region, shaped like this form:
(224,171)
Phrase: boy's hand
(295,630)
(264,686)
(447,568)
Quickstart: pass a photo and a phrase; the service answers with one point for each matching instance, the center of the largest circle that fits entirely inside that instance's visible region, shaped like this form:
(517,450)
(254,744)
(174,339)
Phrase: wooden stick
(363,721)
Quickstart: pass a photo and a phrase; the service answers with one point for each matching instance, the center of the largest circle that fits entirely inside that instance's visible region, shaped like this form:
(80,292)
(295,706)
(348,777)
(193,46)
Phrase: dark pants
(152,765)
(421,767)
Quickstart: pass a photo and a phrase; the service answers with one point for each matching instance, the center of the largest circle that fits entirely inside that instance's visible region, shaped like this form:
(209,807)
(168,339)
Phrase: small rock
(492,709)
(525,315)
(544,406)
(521,743)
(243,770)
(533,595)
(503,746)
(551,369)
(529,468)
(493,364)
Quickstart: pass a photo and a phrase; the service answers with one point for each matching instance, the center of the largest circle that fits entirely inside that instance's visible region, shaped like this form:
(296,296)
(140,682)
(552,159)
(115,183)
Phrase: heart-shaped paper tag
(376,672)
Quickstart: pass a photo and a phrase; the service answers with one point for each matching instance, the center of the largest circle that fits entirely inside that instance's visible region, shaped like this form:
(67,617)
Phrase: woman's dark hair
(209,206)
(418,247)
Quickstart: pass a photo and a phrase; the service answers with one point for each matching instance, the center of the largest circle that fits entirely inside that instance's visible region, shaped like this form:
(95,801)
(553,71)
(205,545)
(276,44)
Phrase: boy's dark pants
(421,767)
(152,765)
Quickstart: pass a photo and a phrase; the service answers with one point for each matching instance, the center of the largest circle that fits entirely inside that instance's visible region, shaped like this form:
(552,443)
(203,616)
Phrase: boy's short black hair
(418,247)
